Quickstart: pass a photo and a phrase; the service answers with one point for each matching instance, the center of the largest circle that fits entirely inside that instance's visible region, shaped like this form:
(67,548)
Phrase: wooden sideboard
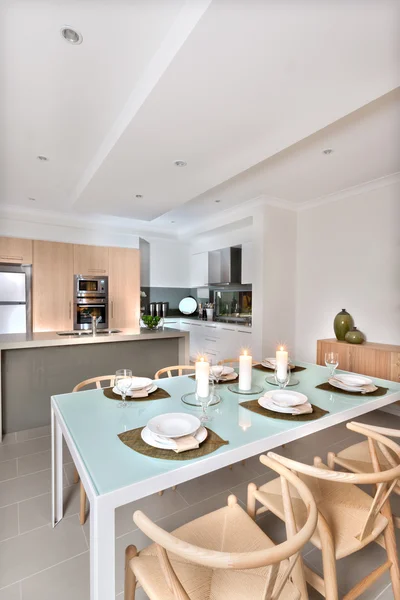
(376,360)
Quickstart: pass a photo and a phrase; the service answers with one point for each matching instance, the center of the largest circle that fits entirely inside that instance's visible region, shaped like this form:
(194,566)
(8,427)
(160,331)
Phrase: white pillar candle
(203,377)
(281,362)
(245,367)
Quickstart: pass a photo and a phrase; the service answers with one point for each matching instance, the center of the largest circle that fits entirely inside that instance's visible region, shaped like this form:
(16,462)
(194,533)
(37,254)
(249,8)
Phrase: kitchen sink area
(88,332)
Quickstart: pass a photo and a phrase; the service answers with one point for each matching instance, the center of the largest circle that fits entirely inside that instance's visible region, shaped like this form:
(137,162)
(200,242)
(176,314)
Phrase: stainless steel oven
(86,308)
(90,287)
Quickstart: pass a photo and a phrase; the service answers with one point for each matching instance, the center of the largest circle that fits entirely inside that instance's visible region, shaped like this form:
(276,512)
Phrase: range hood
(225,266)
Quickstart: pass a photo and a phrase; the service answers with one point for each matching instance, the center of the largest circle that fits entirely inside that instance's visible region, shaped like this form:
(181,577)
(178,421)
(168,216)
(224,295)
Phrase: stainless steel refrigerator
(15,299)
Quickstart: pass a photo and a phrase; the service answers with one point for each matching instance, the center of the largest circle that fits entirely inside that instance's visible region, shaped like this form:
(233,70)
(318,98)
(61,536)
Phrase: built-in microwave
(91,287)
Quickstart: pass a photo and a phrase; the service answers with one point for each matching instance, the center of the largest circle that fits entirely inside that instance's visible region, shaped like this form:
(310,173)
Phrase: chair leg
(328,560)
(251,500)
(390,543)
(82,512)
(331,460)
(130,579)
(174,487)
(76,475)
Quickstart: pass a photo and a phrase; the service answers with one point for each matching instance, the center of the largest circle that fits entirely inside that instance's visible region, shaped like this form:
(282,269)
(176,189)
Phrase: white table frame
(102,506)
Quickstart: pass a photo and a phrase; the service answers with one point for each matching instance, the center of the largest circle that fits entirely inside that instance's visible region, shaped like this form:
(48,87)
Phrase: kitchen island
(33,367)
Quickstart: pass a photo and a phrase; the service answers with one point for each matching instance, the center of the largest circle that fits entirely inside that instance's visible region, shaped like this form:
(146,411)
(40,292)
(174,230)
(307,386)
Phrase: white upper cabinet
(247,262)
(199,269)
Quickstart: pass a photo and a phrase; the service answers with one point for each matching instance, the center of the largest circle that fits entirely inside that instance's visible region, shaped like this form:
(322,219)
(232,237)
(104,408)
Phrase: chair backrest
(215,559)
(176,370)
(95,380)
(385,480)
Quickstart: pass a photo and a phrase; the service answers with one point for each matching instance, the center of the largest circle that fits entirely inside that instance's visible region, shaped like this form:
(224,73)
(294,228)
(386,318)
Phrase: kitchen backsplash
(174,295)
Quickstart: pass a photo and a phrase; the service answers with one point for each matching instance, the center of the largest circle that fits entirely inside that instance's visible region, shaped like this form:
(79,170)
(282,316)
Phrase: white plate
(138,383)
(353,380)
(147,437)
(286,398)
(225,370)
(173,425)
(149,389)
(270,405)
(188,305)
(346,388)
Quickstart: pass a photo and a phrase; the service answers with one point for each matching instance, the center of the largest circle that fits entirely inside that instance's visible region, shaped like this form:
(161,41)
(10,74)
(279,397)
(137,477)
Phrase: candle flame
(201,358)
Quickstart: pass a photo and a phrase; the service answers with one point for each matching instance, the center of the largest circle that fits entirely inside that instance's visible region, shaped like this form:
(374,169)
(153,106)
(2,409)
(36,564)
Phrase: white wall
(99,236)
(348,256)
(169,263)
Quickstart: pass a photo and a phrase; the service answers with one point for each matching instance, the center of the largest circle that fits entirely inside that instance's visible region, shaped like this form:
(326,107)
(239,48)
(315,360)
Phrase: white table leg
(56,469)
(102,551)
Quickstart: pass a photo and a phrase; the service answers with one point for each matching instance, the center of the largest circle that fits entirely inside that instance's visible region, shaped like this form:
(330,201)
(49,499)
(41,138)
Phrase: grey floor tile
(154,506)
(67,580)
(240,491)
(8,521)
(22,488)
(387,594)
(27,554)
(67,458)
(11,592)
(36,512)
(8,438)
(352,569)
(69,470)
(31,434)
(208,485)
(8,469)
(32,463)
(18,449)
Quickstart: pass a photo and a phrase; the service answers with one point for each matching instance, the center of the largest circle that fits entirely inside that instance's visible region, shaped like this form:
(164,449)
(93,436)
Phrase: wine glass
(332,362)
(282,377)
(205,402)
(216,372)
(123,383)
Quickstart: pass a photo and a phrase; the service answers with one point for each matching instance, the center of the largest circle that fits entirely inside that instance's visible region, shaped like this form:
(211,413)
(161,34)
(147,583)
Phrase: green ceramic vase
(342,324)
(354,336)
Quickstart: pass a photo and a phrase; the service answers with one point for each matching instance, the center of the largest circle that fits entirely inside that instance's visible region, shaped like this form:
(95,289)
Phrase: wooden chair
(357,458)
(79,387)
(348,520)
(178,368)
(223,555)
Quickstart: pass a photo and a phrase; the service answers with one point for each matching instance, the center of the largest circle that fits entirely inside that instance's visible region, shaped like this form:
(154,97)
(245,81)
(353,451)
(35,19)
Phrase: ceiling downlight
(71,35)
(42,158)
(328,151)
(180,163)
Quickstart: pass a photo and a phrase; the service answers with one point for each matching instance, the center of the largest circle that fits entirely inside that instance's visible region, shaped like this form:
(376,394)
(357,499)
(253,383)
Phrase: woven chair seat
(228,529)
(344,506)
(357,459)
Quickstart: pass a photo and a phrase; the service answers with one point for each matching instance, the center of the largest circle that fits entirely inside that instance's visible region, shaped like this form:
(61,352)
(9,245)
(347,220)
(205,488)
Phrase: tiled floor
(41,563)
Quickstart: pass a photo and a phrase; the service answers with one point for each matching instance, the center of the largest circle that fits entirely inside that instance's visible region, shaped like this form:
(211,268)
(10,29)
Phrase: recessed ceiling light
(43,158)
(139,196)
(32,199)
(217,201)
(180,163)
(327,151)
(172,221)
(71,35)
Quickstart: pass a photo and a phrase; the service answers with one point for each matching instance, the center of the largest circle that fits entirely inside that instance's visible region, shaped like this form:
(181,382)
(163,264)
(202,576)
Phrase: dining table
(114,474)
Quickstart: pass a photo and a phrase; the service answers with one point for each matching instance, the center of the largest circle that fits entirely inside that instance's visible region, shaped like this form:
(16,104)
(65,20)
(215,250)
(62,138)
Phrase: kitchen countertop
(14,341)
(229,324)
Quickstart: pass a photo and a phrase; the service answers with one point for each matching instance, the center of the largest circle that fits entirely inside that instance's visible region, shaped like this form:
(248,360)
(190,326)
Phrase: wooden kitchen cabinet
(376,360)
(52,286)
(124,287)
(15,250)
(91,260)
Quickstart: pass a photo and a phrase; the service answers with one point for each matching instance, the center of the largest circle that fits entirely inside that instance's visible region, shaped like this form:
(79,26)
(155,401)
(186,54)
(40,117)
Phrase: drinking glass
(205,402)
(123,383)
(216,372)
(332,362)
(282,378)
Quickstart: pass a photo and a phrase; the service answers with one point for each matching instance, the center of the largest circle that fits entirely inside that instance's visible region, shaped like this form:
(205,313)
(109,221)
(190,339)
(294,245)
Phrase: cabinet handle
(208,340)
(69,309)
(12,257)
(96,270)
(112,309)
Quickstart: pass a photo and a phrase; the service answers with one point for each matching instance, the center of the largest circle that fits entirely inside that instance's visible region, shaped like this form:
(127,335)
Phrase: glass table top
(94,422)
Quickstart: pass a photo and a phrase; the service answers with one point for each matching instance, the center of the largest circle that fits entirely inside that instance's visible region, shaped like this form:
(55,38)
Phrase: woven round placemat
(134,440)
(380,391)
(159,394)
(267,370)
(255,407)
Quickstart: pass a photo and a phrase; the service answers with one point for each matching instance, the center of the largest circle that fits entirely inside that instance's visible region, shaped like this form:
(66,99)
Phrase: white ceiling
(247,92)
